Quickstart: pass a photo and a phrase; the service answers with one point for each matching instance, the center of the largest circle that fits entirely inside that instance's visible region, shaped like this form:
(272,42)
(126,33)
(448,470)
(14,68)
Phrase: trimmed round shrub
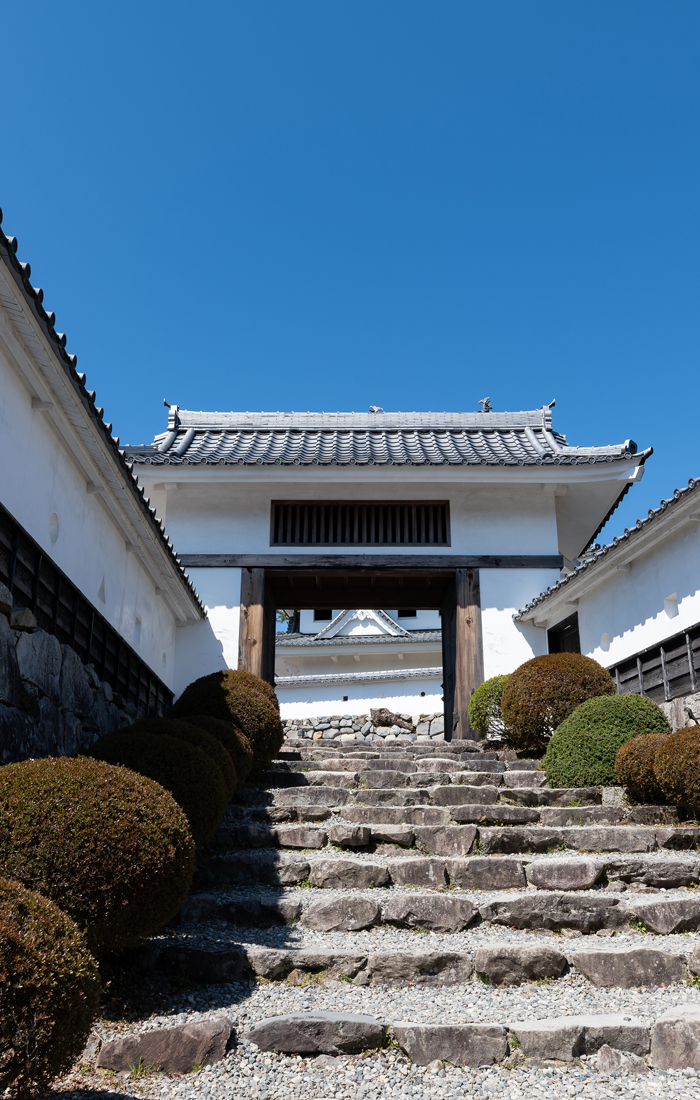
(677,767)
(485,707)
(234,741)
(49,990)
(234,696)
(583,749)
(634,767)
(112,848)
(193,779)
(256,683)
(540,694)
(197,737)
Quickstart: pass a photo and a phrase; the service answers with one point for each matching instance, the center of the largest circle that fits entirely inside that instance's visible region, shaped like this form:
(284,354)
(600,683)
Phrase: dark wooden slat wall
(662,672)
(360,523)
(61,609)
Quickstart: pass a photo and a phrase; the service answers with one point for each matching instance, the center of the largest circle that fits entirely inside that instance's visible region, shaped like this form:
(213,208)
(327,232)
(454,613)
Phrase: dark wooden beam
(252,628)
(308,590)
(372,562)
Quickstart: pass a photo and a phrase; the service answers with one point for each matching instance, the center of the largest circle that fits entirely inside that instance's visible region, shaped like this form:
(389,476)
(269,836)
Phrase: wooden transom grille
(360,523)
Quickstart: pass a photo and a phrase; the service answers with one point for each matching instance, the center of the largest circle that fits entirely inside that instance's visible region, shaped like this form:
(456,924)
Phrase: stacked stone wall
(349,727)
(50,703)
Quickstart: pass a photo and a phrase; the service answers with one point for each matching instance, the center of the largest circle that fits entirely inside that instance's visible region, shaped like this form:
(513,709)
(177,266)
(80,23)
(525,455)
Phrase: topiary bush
(49,990)
(199,738)
(677,767)
(485,708)
(583,749)
(112,848)
(193,779)
(634,767)
(237,697)
(540,694)
(231,737)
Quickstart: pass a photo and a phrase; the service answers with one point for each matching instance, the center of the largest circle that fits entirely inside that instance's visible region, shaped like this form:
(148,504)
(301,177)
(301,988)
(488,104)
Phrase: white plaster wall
(211,645)
(315,702)
(39,478)
(503,592)
(233,517)
(631,607)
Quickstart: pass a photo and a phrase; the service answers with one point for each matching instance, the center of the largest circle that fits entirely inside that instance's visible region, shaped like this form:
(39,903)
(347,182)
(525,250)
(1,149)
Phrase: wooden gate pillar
(469,648)
(256,638)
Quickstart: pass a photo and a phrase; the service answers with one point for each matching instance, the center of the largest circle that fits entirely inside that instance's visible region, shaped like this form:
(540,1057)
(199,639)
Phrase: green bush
(634,767)
(540,694)
(241,698)
(582,750)
(49,991)
(231,737)
(111,848)
(677,767)
(485,708)
(199,739)
(193,779)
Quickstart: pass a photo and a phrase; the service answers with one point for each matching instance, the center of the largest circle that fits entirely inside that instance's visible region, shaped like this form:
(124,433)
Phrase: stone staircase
(370,878)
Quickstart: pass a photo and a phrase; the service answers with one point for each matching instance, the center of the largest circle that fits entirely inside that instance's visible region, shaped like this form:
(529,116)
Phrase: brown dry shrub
(231,737)
(677,767)
(192,777)
(199,738)
(634,765)
(112,848)
(539,695)
(237,697)
(49,990)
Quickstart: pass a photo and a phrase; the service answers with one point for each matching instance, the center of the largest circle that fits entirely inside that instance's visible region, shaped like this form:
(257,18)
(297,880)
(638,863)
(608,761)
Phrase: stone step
(671,1041)
(330,869)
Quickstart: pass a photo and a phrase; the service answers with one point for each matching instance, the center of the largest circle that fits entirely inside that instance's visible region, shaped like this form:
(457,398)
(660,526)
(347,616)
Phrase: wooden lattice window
(360,523)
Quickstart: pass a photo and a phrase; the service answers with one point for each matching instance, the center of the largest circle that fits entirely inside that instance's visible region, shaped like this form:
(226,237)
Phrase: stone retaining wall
(348,727)
(50,703)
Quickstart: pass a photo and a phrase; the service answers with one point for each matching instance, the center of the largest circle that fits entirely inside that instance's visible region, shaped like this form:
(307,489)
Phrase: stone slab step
(671,1042)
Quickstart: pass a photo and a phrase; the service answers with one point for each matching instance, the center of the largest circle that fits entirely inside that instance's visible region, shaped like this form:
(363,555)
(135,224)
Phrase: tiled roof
(67,362)
(598,553)
(312,641)
(360,677)
(367,439)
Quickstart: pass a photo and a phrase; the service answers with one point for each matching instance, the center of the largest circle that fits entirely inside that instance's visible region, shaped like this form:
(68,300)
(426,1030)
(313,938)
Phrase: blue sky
(327,205)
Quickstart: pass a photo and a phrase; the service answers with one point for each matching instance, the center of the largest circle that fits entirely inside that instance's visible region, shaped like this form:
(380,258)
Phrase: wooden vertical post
(251,634)
(469,648)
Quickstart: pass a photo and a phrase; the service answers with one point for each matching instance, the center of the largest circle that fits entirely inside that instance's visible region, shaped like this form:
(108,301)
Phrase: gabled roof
(368,439)
(594,558)
(312,641)
(385,624)
(67,363)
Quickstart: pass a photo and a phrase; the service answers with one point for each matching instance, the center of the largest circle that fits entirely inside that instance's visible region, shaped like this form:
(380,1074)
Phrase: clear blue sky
(327,204)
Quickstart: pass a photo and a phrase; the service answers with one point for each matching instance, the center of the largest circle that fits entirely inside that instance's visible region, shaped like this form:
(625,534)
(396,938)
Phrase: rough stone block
(197,907)
(511,964)
(566,1037)
(583,912)
(569,796)
(394,796)
(74,685)
(169,1049)
(349,763)
(17,731)
(317,1032)
(476,779)
(498,814)
(482,762)
(396,815)
(438,840)
(675,1039)
(336,874)
(349,836)
(402,835)
(666,873)
(398,968)
(246,868)
(343,914)
(298,836)
(10,681)
(630,967)
(458,1044)
(384,779)
(564,874)
(483,873)
(669,916)
(404,764)
(558,817)
(597,839)
(435,913)
(438,764)
(614,1061)
(524,779)
(417,872)
(423,779)
(685,838)
(39,661)
(5,599)
(345,780)
(312,796)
